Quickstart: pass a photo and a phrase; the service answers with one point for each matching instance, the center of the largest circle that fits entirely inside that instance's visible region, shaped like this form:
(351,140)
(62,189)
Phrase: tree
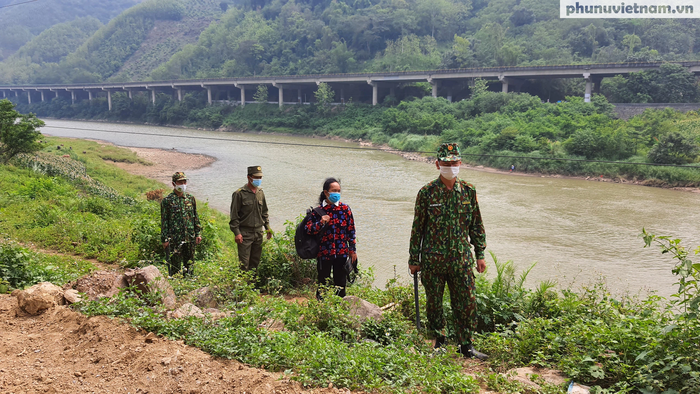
(631,41)
(324,95)
(18,133)
(261,94)
(674,148)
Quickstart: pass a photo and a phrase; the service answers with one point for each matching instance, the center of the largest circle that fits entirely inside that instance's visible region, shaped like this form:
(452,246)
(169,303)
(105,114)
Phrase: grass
(616,344)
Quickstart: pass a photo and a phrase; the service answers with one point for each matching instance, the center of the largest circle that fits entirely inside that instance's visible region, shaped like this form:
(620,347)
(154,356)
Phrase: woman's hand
(353,256)
(325,219)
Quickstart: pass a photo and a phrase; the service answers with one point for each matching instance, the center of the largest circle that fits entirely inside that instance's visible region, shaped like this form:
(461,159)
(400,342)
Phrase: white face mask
(181,188)
(449,172)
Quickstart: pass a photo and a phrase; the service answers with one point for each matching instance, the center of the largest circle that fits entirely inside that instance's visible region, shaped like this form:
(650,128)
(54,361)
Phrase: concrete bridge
(369,87)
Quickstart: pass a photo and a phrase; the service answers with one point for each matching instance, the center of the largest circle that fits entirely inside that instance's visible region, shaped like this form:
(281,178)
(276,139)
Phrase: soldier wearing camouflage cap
(180,230)
(248,218)
(447,219)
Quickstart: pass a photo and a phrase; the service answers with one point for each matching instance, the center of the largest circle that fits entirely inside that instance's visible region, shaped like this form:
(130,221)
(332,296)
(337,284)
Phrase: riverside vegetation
(84,207)
(494,129)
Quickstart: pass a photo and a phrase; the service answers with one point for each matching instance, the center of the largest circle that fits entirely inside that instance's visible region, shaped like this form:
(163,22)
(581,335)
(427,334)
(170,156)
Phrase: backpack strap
(320,212)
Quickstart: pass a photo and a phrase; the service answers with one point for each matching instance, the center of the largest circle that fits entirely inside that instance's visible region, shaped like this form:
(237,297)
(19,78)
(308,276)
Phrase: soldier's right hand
(165,244)
(239,238)
(414,268)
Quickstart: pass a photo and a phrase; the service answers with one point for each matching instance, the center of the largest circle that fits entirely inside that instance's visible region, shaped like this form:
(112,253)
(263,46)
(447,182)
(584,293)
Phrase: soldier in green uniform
(248,217)
(180,230)
(447,219)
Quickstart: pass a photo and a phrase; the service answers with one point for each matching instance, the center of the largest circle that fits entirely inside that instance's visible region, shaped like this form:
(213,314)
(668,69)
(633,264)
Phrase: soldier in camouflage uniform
(447,219)
(180,230)
(248,217)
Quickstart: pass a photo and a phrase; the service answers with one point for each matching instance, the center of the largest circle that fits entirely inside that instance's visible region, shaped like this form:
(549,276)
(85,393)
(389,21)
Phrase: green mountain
(171,39)
(129,46)
(21,22)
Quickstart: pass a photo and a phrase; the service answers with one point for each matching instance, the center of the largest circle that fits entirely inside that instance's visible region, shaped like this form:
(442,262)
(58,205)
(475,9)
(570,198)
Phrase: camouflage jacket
(179,221)
(446,221)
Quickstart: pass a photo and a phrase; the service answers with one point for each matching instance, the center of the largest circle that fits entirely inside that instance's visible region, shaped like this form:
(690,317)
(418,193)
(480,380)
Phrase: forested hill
(263,37)
(20,23)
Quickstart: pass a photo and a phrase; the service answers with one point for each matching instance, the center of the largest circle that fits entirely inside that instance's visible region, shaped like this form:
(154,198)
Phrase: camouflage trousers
(181,256)
(457,273)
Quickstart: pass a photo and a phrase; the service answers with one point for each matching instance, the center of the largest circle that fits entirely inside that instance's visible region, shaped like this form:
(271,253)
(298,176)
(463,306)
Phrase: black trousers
(337,265)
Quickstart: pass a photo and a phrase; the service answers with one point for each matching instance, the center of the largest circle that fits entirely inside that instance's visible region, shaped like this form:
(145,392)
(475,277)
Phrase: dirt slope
(63,351)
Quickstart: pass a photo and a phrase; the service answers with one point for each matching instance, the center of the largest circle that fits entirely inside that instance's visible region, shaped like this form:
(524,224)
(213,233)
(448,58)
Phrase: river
(577,231)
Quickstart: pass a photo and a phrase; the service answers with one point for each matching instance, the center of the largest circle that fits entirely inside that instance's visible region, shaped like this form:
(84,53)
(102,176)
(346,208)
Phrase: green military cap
(448,152)
(178,176)
(254,171)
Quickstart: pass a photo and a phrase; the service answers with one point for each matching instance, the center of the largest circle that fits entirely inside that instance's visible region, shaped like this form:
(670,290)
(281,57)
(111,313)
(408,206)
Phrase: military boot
(468,351)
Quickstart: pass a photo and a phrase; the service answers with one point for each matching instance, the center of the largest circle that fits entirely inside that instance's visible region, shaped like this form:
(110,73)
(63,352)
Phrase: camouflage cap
(254,171)
(448,152)
(178,176)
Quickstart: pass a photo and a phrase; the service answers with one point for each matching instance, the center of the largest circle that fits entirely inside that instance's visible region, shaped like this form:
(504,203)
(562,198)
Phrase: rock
(575,388)
(100,284)
(203,298)
(187,310)
(363,309)
(522,375)
(40,297)
(150,337)
(15,293)
(149,279)
(273,325)
(72,296)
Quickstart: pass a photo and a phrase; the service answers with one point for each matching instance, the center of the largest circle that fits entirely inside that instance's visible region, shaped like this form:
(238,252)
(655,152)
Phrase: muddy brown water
(577,231)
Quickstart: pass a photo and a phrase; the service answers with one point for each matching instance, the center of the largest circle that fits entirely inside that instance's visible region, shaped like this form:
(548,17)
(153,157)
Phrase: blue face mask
(334,197)
(256,182)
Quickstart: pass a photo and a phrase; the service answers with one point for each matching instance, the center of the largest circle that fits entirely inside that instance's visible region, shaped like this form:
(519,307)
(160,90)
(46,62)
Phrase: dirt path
(62,351)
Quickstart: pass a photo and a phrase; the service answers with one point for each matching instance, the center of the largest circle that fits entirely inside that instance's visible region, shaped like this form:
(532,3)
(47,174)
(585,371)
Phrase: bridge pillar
(435,85)
(72,96)
(242,87)
(589,87)
(16,93)
(153,96)
(209,99)
(109,100)
(507,82)
(29,96)
(504,84)
(375,91)
(280,95)
(131,95)
(89,95)
(42,96)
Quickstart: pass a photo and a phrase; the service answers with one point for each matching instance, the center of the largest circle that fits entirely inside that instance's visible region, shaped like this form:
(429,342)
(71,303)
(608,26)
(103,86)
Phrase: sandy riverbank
(163,163)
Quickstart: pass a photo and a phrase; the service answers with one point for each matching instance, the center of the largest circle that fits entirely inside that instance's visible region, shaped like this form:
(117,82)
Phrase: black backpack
(307,245)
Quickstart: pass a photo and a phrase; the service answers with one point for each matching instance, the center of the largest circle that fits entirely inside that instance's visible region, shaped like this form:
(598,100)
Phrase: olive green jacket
(248,210)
